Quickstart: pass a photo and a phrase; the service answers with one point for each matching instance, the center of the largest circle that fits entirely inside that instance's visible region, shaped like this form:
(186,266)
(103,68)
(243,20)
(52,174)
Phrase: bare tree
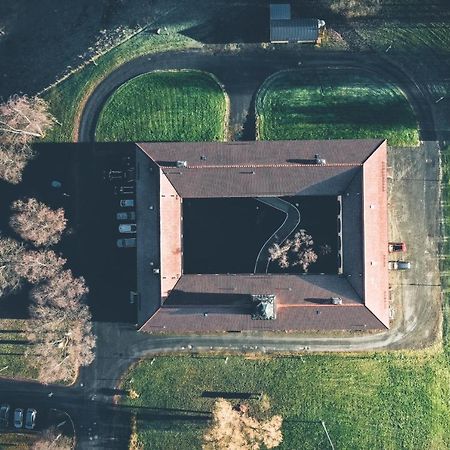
(233,429)
(22,120)
(294,252)
(280,254)
(61,328)
(11,253)
(36,222)
(51,438)
(61,291)
(302,250)
(13,160)
(39,265)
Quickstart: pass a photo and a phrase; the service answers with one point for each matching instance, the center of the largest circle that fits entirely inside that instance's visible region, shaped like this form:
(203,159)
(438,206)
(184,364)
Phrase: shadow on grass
(230,395)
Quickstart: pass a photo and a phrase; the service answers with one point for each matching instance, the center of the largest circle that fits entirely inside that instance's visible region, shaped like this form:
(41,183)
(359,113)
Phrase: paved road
(289,224)
(242,73)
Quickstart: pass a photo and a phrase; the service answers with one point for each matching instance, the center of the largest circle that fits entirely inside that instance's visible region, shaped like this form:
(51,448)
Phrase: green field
(165,106)
(13,344)
(368,401)
(333,104)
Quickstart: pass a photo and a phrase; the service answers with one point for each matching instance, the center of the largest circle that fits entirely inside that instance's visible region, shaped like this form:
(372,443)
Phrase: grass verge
(67,99)
(333,104)
(445,249)
(13,343)
(377,401)
(17,441)
(165,106)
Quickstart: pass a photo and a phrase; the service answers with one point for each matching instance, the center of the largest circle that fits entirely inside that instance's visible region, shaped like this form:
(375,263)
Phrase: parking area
(414,218)
(95,185)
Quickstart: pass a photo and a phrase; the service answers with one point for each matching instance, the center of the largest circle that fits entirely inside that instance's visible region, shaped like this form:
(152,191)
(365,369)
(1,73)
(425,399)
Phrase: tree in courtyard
(36,222)
(280,253)
(51,438)
(298,251)
(302,250)
(11,253)
(61,328)
(22,120)
(233,429)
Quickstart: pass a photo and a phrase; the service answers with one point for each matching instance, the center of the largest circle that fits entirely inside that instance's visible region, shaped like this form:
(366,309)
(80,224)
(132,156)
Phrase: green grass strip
(334,104)
(165,106)
(68,98)
(376,400)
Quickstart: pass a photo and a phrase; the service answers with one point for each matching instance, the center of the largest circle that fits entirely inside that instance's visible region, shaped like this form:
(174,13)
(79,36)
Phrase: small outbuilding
(286,29)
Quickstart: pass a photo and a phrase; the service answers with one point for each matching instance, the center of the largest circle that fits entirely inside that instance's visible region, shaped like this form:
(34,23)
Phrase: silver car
(30,419)
(127,203)
(399,265)
(128,228)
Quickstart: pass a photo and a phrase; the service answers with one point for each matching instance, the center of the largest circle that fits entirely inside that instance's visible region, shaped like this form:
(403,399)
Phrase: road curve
(290,223)
(243,72)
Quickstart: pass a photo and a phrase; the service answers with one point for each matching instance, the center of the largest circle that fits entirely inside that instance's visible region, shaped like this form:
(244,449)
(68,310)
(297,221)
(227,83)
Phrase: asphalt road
(242,73)
(99,423)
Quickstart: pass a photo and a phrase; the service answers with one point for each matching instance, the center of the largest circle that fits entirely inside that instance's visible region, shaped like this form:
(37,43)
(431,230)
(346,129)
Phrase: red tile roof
(375,235)
(354,169)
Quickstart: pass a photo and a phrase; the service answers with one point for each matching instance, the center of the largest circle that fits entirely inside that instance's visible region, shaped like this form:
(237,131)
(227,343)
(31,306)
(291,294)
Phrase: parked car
(126,215)
(126,243)
(127,228)
(396,247)
(127,203)
(18,417)
(4,415)
(30,419)
(399,265)
(119,190)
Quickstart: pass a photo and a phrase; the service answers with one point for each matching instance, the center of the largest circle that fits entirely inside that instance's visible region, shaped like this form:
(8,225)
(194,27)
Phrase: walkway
(290,223)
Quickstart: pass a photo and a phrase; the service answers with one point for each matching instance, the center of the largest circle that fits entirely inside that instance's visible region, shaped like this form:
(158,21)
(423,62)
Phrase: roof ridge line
(249,166)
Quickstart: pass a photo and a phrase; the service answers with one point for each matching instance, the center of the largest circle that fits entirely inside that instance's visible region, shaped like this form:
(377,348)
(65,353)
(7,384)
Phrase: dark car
(4,415)
(30,419)
(18,418)
(396,247)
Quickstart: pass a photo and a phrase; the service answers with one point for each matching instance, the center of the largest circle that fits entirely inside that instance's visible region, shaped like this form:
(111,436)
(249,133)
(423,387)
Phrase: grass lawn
(165,106)
(68,98)
(17,441)
(186,24)
(335,104)
(377,401)
(12,348)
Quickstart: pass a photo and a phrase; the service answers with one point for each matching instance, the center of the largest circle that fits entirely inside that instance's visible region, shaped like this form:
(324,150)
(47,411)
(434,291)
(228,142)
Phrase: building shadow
(230,395)
(247,22)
